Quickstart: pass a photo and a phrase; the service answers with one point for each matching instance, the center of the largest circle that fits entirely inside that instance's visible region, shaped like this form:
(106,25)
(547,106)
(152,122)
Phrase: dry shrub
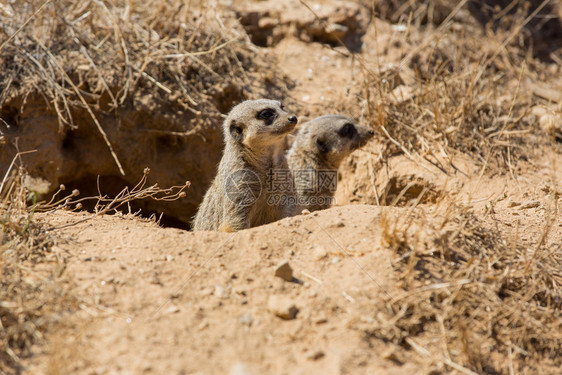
(472,298)
(113,51)
(420,12)
(456,111)
(466,81)
(32,292)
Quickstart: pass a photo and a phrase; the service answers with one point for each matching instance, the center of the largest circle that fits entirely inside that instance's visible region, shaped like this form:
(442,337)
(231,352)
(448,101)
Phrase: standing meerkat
(237,198)
(317,151)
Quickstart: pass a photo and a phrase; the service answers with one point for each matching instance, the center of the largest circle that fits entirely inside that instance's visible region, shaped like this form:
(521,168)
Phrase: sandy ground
(163,300)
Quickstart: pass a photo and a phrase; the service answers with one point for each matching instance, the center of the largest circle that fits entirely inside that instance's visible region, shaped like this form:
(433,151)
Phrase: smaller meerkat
(236,200)
(317,151)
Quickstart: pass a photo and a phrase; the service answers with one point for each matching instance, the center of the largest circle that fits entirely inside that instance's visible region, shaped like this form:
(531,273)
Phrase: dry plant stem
(426,354)
(57,92)
(100,75)
(510,37)
(118,34)
(201,53)
(153,80)
(105,205)
(372,179)
(428,40)
(7,174)
(87,106)
(26,305)
(313,278)
(433,287)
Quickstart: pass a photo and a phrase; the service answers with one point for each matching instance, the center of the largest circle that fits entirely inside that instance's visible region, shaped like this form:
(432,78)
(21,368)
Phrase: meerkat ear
(322,146)
(236,131)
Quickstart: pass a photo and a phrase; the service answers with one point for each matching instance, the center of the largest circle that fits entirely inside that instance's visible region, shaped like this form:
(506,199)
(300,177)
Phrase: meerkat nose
(293,119)
(371,133)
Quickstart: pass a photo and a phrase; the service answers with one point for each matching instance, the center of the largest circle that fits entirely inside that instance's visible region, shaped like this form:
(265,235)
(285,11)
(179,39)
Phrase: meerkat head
(332,137)
(258,123)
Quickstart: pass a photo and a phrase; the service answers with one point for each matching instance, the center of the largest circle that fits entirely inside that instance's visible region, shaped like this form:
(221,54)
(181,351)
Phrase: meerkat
(314,157)
(237,198)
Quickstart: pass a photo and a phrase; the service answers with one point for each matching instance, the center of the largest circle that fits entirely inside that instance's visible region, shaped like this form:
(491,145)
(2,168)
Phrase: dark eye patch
(268,115)
(347,131)
(236,131)
(322,146)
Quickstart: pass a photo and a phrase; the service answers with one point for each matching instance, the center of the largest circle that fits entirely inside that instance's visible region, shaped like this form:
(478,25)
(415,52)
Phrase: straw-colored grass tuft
(473,297)
(32,289)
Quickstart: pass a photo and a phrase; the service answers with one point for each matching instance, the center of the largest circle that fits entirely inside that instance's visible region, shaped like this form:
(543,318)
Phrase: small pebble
(240,369)
(391,355)
(319,253)
(154,279)
(316,355)
(284,271)
(283,307)
(512,204)
(267,23)
(321,319)
(245,319)
(220,292)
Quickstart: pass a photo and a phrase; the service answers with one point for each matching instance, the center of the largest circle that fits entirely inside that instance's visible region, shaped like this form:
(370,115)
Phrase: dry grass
(112,50)
(32,290)
(476,299)
(90,58)
(466,76)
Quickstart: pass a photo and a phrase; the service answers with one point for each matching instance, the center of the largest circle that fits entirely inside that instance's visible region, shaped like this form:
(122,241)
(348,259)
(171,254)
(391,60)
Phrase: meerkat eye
(322,146)
(268,115)
(348,130)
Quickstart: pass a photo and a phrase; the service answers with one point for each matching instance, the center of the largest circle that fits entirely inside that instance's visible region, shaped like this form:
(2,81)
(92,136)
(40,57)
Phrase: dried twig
(105,205)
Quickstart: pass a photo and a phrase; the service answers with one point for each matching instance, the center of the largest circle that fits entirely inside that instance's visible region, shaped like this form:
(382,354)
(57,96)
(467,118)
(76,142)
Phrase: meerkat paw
(226,228)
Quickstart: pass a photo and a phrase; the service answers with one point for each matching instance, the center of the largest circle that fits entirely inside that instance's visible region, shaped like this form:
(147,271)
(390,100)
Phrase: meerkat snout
(333,137)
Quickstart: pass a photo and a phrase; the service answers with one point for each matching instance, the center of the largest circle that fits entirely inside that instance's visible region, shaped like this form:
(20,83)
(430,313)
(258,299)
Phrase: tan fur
(319,146)
(250,142)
